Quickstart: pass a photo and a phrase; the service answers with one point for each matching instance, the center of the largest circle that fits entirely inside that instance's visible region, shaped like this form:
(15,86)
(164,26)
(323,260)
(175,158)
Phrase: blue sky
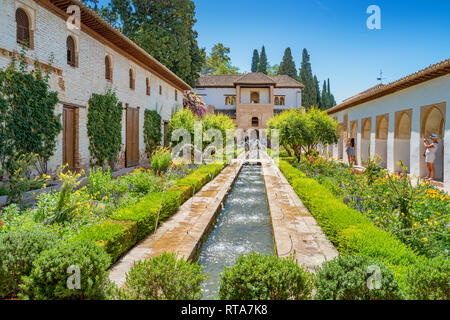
(414,35)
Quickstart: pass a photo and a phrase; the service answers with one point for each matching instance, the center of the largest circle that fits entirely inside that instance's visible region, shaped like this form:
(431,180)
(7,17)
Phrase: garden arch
(432,122)
(381,136)
(254,97)
(366,129)
(402,140)
(354,135)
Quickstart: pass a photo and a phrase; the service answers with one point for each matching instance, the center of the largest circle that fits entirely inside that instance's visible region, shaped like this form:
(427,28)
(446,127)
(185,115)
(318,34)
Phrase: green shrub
(348,278)
(115,237)
(265,277)
(51,275)
(351,232)
(164,278)
(429,280)
(18,250)
(161,159)
(99,183)
(152,131)
(145,212)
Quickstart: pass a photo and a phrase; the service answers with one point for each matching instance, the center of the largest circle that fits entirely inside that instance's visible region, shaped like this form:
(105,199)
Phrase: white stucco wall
(216,96)
(428,93)
(89,77)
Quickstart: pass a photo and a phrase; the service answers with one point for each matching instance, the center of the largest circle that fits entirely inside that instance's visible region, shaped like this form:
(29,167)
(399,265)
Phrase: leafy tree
(262,66)
(162,28)
(309,94)
(287,65)
(273,70)
(28,124)
(332,101)
(255,61)
(104,127)
(301,132)
(219,62)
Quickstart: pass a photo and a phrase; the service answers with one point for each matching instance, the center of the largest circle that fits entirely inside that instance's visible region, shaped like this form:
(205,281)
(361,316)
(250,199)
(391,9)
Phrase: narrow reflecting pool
(243,226)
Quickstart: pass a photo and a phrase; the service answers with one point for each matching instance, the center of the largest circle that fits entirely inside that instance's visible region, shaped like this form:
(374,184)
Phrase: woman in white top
(430,155)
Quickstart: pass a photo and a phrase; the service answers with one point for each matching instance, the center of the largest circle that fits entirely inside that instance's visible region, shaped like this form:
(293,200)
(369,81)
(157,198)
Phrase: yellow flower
(425,239)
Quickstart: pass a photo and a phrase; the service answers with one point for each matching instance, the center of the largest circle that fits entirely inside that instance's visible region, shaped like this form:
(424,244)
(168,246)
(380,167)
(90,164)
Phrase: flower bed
(417,215)
(349,230)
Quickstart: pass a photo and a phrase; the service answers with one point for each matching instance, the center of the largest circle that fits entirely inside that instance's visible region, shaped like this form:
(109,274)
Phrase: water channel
(242,226)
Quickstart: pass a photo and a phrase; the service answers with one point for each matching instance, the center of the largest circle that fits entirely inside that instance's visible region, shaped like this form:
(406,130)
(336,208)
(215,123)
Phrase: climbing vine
(104,127)
(152,131)
(28,123)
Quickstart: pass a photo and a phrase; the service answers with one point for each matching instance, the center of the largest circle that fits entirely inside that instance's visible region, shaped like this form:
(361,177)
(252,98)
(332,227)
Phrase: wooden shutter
(108,69)
(23,28)
(71,52)
(132,137)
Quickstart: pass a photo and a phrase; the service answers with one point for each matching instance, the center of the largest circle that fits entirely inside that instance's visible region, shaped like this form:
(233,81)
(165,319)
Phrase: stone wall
(75,85)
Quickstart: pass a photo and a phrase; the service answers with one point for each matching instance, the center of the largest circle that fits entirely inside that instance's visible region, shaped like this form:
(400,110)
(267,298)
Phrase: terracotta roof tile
(434,71)
(257,78)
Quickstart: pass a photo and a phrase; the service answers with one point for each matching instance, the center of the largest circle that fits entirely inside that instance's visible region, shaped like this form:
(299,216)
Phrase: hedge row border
(127,226)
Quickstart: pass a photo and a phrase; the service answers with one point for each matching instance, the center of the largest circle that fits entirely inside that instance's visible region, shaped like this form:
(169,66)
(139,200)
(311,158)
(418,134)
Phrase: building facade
(250,99)
(392,121)
(85,61)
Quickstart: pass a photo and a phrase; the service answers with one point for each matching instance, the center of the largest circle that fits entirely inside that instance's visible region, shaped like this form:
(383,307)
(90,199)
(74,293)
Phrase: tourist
(350,152)
(430,155)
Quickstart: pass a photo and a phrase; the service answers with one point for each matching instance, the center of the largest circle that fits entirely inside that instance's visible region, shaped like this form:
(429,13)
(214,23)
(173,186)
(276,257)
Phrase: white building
(392,121)
(87,61)
(250,99)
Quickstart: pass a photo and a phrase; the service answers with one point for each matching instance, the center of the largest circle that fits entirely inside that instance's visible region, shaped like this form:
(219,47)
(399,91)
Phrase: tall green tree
(309,94)
(287,65)
(331,100)
(325,102)
(218,62)
(165,29)
(318,97)
(263,63)
(255,61)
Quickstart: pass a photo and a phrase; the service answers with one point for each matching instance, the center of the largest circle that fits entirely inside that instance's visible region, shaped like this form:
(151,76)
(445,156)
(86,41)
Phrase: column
(390,142)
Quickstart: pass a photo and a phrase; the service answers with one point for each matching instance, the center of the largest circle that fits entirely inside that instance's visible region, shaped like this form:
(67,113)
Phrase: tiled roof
(434,71)
(256,78)
(98,25)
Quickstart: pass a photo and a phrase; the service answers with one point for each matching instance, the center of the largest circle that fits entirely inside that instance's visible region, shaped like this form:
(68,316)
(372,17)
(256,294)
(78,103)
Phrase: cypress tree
(309,94)
(262,66)
(255,61)
(287,65)
(325,97)
(318,97)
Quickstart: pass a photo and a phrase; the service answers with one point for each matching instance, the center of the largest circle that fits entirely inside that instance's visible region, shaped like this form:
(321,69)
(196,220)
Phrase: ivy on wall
(104,128)
(28,123)
(152,131)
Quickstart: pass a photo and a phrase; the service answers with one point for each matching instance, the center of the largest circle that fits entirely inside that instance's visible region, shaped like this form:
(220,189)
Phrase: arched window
(176,95)
(132,79)
(147,85)
(277,101)
(108,69)
(254,97)
(71,59)
(255,122)
(282,103)
(160,90)
(23,28)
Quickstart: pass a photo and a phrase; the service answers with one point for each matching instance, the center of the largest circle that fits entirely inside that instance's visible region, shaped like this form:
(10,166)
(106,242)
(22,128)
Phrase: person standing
(430,155)
(350,152)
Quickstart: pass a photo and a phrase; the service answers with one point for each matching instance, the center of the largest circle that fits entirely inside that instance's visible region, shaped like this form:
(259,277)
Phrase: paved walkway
(294,228)
(183,232)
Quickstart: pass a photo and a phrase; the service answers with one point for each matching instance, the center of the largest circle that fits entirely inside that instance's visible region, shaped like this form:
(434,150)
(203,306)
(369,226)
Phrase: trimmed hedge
(349,230)
(129,225)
